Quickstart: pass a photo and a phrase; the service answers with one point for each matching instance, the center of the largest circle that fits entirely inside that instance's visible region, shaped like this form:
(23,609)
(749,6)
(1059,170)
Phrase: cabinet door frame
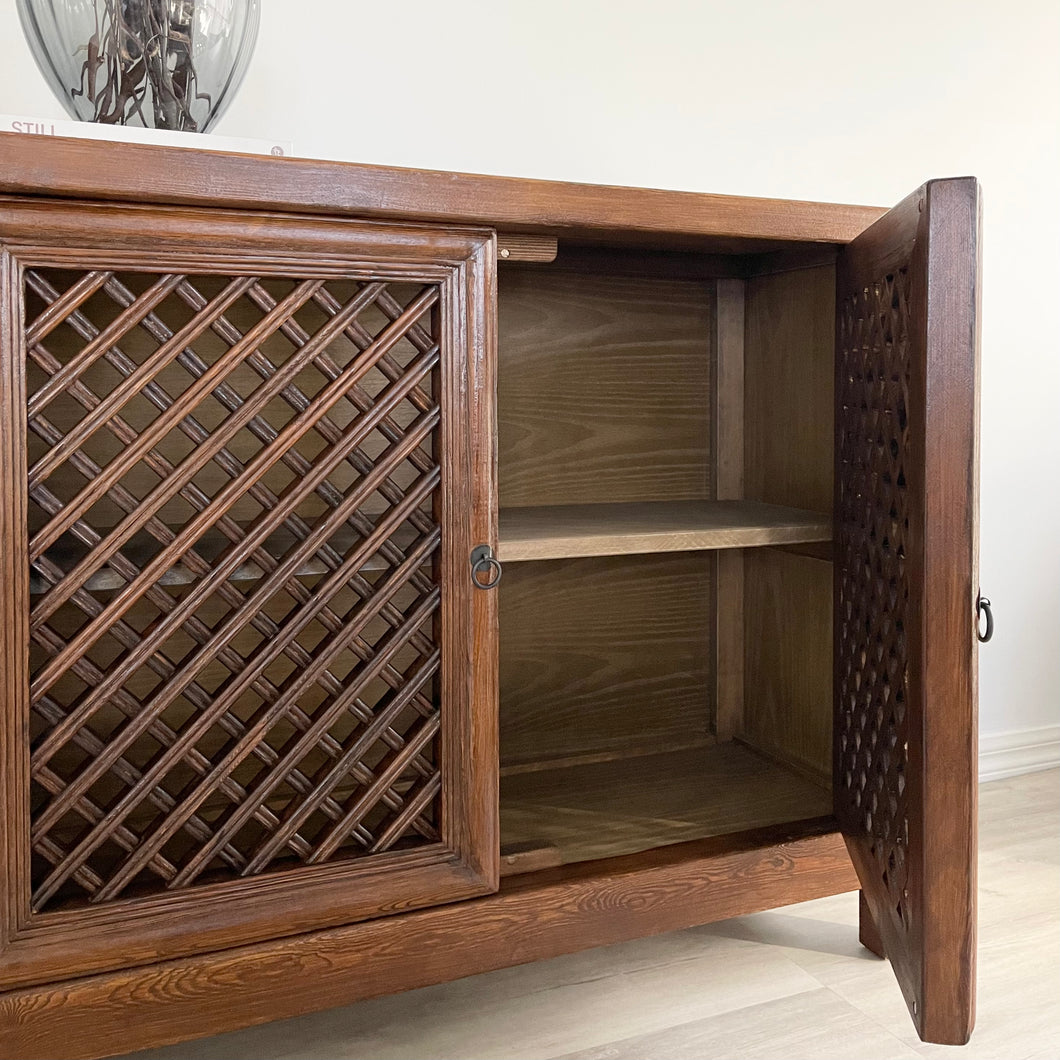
(906,580)
(39,947)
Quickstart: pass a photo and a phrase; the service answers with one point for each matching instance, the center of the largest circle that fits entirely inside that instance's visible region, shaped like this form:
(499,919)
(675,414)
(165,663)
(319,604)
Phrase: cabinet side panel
(788,387)
(787,666)
(788,438)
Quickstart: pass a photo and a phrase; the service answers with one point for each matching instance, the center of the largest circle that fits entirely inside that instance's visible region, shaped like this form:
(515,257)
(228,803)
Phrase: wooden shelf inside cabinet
(565,531)
(211,547)
(603,809)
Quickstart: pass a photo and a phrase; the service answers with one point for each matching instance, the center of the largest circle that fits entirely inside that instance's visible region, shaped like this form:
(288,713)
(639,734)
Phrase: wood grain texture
(905,587)
(789,373)
(605,257)
(566,531)
(788,659)
(789,381)
(520,858)
(129,172)
(614,399)
(169,881)
(520,246)
(823,551)
(14,610)
(532,917)
(210,546)
(788,259)
(603,388)
(728,421)
(729,635)
(622,807)
(725,989)
(729,328)
(868,934)
(606,655)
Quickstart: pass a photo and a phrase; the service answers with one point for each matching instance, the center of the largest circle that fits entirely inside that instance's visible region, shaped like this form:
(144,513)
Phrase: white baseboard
(1008,754)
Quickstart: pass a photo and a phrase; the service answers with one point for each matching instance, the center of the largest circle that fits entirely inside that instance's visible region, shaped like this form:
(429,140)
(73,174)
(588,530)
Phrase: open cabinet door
(905,590)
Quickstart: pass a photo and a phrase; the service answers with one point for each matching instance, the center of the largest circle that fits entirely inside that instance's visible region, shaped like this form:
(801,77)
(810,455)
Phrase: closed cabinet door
(248,686)
(905,592)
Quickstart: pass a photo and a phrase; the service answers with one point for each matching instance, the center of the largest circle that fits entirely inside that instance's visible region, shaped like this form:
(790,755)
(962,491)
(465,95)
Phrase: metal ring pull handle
(486,569)
(982,607)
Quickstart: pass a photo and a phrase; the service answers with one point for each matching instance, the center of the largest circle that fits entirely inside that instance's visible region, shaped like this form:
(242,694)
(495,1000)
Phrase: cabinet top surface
(54,166)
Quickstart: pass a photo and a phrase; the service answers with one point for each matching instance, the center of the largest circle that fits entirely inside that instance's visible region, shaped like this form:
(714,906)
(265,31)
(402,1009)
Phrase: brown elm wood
(633,259)
(532,917)
(868,935)
(521,246)
(604,809)
(787,659)
(729,643)
(801,256)
(520,858)
(42,939)
(653,275)
(566,530)
(788,384)
(905,588)
(628,750)
(603,387)
(819,550)
(150,174)
(14,609)
(728,421)
(730,299)
(604,656)
(211,544)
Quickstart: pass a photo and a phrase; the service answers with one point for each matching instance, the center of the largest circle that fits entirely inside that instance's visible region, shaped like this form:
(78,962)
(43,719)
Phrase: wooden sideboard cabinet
(410,574)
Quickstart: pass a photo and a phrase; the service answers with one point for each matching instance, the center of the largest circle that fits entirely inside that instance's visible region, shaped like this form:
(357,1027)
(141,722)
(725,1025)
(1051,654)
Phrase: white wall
(816,100)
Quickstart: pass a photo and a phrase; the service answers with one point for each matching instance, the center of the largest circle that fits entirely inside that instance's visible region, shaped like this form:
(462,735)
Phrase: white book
(90,130)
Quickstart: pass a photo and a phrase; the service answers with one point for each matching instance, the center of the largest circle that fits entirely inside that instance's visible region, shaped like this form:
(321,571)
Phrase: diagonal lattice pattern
(872,528)
(233,532)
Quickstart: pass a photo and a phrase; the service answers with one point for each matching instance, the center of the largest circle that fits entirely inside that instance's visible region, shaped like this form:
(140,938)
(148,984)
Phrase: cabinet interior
(665,441)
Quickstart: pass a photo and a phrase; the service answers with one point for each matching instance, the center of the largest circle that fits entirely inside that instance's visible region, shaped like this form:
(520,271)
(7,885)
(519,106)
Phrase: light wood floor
(793,983)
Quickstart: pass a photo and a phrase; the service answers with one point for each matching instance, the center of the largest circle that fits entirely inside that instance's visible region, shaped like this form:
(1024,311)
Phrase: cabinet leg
(867,933)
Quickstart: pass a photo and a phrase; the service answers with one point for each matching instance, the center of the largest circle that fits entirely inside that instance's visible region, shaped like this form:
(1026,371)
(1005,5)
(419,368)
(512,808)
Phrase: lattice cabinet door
(905,591)
(248,688)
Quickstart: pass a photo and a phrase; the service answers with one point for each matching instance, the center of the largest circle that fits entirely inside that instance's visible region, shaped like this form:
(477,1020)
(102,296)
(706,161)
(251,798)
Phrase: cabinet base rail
(533,917)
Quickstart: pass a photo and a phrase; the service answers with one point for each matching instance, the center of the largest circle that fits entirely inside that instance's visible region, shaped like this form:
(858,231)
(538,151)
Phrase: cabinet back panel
(605,656)
(604,389)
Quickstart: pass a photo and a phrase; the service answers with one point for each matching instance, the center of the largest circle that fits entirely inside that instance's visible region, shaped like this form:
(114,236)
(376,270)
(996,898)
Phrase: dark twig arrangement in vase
(163,64)
(140,49)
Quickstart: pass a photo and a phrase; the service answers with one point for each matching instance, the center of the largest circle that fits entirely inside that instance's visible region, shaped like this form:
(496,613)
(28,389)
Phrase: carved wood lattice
(872,532)
(233,533)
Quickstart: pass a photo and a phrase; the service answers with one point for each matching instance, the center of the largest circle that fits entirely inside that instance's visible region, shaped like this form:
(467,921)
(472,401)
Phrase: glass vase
(161,64)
